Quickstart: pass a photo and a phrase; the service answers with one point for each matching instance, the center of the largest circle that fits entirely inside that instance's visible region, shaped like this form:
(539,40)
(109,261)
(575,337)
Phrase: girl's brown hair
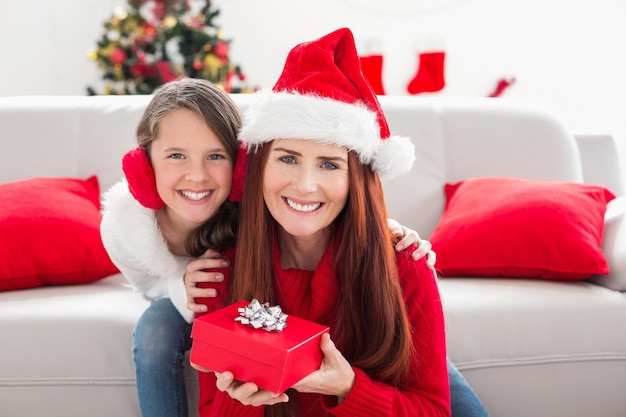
(372,329)
(222,116)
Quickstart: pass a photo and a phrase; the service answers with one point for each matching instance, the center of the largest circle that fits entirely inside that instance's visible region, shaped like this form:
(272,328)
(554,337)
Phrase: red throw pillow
(50,233)
(508,227)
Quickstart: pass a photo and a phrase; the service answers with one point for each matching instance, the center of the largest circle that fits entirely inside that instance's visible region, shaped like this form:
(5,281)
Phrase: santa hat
(322,95)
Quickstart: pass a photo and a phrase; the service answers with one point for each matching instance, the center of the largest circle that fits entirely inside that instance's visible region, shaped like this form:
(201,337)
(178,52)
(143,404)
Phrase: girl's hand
(335,376)
(410,237)
(247,393)
(198,273)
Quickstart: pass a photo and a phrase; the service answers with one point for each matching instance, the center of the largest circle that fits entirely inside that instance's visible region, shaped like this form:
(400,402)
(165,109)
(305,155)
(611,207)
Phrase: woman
(313,239)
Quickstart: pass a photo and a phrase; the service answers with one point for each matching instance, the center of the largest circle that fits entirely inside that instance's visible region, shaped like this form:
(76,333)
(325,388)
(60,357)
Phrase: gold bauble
(119,73)
(170,21)
(212,62)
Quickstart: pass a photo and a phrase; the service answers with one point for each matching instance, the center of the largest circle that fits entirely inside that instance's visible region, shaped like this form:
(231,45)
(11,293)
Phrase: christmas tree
(151,42)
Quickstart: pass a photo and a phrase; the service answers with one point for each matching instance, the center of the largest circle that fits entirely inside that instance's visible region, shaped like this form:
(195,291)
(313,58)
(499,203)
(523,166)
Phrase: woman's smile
(302,207)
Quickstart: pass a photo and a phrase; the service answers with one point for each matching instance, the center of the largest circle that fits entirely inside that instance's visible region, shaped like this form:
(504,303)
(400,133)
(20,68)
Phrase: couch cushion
(509,227)
(50,233)
(521,339)
(69,347)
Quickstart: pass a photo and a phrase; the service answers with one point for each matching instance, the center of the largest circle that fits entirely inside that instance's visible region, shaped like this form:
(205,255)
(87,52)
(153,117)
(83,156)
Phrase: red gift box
(273,360)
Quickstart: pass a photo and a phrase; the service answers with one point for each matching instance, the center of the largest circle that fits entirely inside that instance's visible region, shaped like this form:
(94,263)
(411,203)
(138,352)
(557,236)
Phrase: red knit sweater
(311,295)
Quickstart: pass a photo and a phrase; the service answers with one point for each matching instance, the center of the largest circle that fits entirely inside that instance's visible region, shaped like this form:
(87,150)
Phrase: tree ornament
(118,56)
(221,51)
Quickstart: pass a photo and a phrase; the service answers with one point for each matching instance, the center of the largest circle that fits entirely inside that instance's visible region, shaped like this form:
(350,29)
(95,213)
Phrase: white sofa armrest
(614,246)
(600,161)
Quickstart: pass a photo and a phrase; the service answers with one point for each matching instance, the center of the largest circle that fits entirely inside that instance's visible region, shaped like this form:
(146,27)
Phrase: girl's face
(305,185)
(193,171)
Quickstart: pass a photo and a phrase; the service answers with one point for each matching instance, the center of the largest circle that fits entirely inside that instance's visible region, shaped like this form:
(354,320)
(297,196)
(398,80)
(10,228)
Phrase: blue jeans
(160,341)
(464,401)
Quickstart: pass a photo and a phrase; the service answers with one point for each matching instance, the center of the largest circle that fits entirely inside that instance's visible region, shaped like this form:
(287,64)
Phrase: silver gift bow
(262,316)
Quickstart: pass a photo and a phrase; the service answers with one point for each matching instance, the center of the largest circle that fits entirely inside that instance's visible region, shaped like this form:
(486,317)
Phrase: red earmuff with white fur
(140,177)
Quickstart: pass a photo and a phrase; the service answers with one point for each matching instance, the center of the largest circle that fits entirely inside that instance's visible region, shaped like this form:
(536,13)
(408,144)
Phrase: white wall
(568,55)
(44,45)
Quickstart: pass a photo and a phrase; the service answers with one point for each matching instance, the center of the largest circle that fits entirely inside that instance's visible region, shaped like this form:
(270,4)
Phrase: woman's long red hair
(372,329)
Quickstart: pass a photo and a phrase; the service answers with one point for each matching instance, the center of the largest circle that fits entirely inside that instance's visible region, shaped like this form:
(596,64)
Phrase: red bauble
(118,56)
(221,51)
(159,10)
(165,72)
(143,70)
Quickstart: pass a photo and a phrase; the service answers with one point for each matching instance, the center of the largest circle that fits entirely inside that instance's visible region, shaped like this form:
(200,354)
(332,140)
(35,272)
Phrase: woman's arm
(426,391)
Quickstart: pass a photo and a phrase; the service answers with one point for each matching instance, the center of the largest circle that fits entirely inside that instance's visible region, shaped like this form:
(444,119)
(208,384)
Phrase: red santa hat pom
(322,95)
(140,177)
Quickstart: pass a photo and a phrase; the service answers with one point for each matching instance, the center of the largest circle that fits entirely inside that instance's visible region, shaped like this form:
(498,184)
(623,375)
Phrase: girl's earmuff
(140,177)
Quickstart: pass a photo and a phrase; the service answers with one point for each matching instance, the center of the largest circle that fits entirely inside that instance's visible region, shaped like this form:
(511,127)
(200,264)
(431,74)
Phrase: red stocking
(372,68)
(430,73)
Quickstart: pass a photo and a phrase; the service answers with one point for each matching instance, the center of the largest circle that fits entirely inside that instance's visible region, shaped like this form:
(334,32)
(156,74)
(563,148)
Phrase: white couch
(528,347)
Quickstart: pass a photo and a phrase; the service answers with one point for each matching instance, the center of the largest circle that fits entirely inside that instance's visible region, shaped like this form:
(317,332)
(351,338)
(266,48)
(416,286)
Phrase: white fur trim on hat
(291,115)
(299,116)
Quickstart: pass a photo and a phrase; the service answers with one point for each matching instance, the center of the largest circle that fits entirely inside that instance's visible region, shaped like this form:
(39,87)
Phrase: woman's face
(305,184)
(192,168)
